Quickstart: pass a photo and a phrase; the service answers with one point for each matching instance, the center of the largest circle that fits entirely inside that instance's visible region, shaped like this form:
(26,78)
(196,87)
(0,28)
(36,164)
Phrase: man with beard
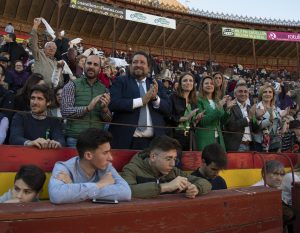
(85,99)
(35,128)
(139,101)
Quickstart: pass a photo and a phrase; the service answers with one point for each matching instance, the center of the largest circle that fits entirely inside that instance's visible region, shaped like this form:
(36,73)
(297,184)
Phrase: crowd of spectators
(60,89)
(204,112)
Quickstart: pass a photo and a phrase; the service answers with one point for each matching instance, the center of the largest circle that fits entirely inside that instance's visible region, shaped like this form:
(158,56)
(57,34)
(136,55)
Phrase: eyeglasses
(168,158)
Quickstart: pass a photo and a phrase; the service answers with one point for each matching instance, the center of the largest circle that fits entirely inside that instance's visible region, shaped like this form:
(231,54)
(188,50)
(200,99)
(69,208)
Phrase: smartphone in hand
(104,201)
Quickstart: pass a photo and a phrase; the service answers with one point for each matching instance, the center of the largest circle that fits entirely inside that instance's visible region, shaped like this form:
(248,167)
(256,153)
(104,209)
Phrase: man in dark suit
(238,137)
(139,101)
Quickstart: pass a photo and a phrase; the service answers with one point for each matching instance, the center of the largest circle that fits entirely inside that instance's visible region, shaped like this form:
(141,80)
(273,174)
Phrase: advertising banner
(284,36)
(150,19)
(244,33)
(98,8)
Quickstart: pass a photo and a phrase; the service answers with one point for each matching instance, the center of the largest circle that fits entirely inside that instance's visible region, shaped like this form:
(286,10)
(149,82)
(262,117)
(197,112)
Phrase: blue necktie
(143,111)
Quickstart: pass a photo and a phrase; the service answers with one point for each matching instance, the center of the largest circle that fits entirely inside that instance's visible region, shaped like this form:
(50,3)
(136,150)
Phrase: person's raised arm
(34,36)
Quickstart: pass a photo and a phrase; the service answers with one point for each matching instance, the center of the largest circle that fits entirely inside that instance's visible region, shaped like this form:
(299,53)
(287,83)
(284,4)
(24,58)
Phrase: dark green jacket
(84,93)
(145,183)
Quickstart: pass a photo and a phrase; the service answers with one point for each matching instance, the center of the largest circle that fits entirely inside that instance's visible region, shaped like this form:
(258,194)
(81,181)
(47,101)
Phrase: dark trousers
(140,143)
(184,139)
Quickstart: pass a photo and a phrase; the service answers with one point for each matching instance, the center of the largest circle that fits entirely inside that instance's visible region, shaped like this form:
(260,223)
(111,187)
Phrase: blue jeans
(71,142)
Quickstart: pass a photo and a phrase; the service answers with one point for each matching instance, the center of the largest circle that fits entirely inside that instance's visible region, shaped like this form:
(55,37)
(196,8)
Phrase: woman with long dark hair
(184,109)
(284,99)
(220,84)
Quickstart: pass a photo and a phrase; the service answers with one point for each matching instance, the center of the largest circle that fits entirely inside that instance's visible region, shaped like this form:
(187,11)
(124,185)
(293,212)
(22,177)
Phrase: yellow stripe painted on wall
(241,177)
(233,177)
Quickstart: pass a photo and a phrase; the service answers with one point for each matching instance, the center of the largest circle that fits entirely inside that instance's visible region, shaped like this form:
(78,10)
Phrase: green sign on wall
(244,33)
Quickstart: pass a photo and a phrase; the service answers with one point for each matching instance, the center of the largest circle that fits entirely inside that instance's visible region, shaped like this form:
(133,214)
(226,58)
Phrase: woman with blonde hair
(268,120)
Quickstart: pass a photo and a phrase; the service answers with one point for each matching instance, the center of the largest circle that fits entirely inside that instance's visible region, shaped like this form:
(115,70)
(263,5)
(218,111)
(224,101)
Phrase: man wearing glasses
(152,172)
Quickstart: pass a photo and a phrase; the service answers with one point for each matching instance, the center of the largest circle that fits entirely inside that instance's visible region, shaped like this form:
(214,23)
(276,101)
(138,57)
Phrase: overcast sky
(274,9)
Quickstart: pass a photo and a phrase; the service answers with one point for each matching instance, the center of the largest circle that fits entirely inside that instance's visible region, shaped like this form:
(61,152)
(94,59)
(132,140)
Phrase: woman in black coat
(184,109)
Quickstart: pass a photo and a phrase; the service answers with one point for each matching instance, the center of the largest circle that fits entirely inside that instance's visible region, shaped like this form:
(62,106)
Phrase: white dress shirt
(138,103)
(247,134)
